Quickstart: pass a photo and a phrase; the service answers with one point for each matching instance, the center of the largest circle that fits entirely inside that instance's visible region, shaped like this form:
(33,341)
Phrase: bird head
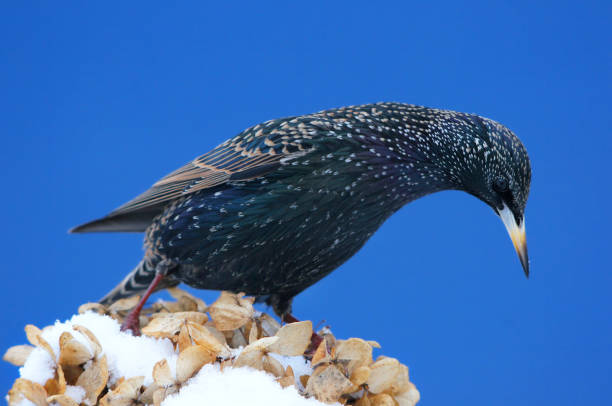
(498,172)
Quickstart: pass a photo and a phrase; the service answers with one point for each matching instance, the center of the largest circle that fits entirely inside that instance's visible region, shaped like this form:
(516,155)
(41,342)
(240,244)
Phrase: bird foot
(132,323)
(315,339)
(132,320)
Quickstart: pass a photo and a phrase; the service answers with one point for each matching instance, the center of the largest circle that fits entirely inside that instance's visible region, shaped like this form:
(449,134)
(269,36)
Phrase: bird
(282,204)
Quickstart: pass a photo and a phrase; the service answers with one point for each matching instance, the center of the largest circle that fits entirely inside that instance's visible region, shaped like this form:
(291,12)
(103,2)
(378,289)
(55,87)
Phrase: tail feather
(136,282)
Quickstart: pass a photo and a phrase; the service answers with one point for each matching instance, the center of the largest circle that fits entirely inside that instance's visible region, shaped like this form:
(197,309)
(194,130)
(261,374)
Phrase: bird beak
(517,234)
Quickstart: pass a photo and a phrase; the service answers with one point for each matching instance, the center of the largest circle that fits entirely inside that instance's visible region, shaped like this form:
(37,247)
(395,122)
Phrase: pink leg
(132,321)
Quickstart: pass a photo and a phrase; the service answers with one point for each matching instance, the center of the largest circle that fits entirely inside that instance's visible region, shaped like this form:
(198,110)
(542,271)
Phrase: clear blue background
(99,100)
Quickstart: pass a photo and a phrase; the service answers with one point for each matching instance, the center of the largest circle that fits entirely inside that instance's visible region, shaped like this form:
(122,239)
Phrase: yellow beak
(517,234)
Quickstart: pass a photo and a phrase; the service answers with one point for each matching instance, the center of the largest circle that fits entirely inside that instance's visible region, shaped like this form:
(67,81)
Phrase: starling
(282,204)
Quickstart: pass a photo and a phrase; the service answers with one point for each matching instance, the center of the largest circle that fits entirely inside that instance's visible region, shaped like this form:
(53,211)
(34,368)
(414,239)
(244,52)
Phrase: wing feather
(244,157)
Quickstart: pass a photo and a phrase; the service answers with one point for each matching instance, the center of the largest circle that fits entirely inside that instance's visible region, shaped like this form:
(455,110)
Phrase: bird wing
(246,156)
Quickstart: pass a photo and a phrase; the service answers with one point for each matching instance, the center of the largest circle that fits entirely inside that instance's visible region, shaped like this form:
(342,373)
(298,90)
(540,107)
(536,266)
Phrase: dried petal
(147,394)
(294,338)
(130,388)
(94,379)
(216,333)
(191,360)
(196,317)
(238,339)
(92,307)
(123,305)
(261,344)
(288,379)
(167,325)
(72,373)
(327,384)
(57,384)
(252,359)
(321,355)
(408,398)
(32,333)
(125,394)
(161,394)
(18,354)
(231,311)
(25,389)
(97,347)
(383,374)
(402,382)
(269,326)
(364,400)
(382,399)
(252,355)
(253,333)
(304,380)
(72,352)
(353,353)
(183,340)
(201,335)
(61,400)
(272,366)
(360,375)
(162,374)
(178,293)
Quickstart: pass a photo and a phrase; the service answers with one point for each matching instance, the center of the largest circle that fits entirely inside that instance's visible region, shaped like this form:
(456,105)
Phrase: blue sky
(98,101)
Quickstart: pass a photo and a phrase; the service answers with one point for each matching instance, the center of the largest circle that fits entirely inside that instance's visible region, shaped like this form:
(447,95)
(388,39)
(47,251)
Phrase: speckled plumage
(282,204)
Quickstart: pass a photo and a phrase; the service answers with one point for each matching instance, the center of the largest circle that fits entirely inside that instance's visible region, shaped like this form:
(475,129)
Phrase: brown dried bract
(408,398)
(125,394)
(353,353)
(94,379)
(97,347)
(180,294)
(191,360)
(57,384)
(61,400)
(162,374)
(231,311)
(72,352)
(92,307)
(25,389)
(18,354)
(203,336)
(383,374)
(327,384)
(167,325)
(294,338)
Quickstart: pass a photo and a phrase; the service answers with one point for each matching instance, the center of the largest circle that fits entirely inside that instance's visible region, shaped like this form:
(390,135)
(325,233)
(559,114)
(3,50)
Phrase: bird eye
(500,184)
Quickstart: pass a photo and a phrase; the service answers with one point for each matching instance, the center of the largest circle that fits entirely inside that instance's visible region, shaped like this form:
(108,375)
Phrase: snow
(299,365)
(75,392)
(236,386)
(39,367)
(128,356)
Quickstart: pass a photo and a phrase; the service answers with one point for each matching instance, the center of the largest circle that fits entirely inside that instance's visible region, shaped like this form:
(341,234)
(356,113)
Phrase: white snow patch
(299,365)
(75,392)
(234,387)
(39,367)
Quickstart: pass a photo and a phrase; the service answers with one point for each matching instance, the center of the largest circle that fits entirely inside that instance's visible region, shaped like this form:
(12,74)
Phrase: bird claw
(132,324)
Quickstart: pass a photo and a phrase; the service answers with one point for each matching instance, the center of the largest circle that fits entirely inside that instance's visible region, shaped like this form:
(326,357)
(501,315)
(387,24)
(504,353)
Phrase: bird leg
(315,339)
(132,320)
